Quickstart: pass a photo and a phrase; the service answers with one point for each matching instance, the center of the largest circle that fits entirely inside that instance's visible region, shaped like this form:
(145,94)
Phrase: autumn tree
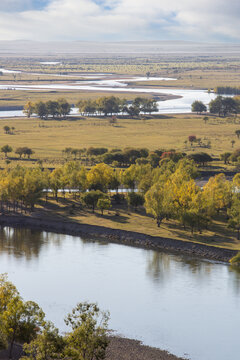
(100,177)
(20,320)
(29,109)
(156,203)
(218,193)
(234,214)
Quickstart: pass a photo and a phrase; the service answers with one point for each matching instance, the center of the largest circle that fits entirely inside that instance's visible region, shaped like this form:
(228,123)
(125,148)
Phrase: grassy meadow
(120,217)
(49,137)
(10,98)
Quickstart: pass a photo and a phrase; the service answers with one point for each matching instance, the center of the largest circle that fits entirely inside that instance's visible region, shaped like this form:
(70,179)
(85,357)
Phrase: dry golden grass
(217,235)
(49,138)
(199,79)
(10,98)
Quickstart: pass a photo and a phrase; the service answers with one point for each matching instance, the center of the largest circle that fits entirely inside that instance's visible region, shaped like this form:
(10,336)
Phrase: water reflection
(161,265)
(25,243)
(28,243)
(158,266)
(175,302)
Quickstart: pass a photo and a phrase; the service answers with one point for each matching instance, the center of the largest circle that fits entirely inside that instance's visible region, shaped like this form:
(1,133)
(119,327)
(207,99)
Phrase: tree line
(227,90)
(24,322)
(106,105)
(221,106)
(129,156)
(167,192)
(56,109)
(21,151)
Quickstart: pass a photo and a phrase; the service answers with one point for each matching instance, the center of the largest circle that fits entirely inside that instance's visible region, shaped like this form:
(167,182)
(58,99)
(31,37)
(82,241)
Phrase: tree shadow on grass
(115,218)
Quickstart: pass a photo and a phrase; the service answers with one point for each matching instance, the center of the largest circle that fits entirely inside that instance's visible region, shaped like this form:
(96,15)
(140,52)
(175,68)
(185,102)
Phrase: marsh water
(187,306)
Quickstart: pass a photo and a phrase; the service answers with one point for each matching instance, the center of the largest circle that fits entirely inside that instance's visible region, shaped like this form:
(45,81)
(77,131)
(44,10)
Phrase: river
(185,305)
(122,84)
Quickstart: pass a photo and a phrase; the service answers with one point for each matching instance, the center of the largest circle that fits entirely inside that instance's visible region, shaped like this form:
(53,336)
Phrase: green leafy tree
(56,181)
(33,187)
(7,292)
(20,151)
(226,157)
(198,107)
(21,321)
(52,108)
(47,345)
(88,339)
(92,197)
(104,204)
(28,152)
(64,107)
(6,149)
(223,106)
(237,132)
(6,129)
(135,200)
(201,158)
(41,110)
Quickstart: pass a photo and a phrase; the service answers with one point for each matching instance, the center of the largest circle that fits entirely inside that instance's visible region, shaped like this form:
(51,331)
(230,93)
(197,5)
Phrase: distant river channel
(187,306)
(106,83)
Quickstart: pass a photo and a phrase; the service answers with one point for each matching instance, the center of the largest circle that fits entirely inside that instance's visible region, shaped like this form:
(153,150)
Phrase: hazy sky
(203,20)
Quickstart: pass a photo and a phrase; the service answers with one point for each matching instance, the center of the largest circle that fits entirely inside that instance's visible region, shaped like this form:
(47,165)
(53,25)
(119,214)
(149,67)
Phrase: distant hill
(81,48)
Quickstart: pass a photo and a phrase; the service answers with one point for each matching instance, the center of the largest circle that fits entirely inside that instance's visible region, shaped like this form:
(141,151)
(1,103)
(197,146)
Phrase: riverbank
(119,349)
(127,349)
(42,222)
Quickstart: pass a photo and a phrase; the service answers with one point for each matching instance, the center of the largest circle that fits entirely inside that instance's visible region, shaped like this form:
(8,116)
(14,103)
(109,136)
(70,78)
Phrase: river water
(123,84)
(188,306)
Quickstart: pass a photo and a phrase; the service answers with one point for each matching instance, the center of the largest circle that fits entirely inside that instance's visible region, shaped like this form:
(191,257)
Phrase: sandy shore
(41,221)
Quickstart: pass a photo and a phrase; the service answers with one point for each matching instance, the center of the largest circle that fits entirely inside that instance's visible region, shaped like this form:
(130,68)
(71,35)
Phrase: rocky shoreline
(128,349)
(43,223)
